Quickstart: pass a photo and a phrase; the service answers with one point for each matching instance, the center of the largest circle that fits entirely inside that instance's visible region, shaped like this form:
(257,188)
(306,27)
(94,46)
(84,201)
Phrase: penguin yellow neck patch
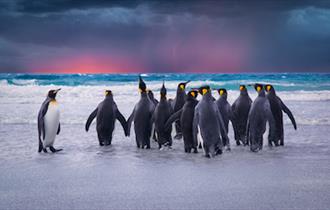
(258,88)
(241,88)
(182,87)
(204,91)
(53,102)
(221,92)
(192,94)
(268,87)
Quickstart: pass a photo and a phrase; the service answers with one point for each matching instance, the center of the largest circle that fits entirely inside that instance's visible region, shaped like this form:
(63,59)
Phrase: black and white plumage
(208,121)
(49,122)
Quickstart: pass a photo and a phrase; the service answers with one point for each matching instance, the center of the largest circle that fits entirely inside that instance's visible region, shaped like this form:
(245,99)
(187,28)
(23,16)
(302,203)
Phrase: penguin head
(204,89)
(182,85)
(222,92)
(269,88)
(142,85)
(193,93)
(52,93)
(108,93)
(242,88)
(150,93)
(258,87)
(163,91)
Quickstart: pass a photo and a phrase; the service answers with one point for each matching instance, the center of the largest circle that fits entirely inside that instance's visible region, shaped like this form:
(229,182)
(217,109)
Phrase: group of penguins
(202,124)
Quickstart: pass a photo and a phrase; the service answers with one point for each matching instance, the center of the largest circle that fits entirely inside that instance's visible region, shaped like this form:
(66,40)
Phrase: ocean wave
(24,82)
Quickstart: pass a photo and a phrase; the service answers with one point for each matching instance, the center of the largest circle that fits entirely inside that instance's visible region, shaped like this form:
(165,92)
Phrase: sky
(89,36)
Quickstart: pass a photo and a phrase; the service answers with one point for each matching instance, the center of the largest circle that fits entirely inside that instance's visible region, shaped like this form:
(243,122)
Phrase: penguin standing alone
(240,109)
(276,131)
(177,104)
(106,114)
(209,121)
(161,114)
(186,117)
(141,116)
(49,122)
(225,111)
(259,114)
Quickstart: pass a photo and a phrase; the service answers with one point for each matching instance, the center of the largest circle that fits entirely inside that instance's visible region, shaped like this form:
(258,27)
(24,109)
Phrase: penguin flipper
(41,123)
(172,118)
(58,129)
(195,125)
(122,121)
(129,122)
(90,119)
(289,113)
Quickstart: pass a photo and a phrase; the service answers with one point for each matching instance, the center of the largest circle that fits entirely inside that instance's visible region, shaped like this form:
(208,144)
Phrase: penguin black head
(150,94)
(108,93)
(52,93)
(269,88)
(222,92)
(163,91)
(142,85)
(258,87)
(193,93)
(182,85)
(242,87)
(204,89)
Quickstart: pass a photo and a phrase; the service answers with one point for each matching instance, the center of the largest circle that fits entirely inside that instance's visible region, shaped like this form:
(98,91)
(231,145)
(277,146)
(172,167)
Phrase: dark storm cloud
(285,35)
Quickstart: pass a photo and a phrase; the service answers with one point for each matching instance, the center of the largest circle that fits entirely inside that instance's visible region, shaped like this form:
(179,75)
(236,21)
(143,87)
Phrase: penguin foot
(207,155)
(238,143)
(228,148)
(195,150)
(218,152)
(54,150)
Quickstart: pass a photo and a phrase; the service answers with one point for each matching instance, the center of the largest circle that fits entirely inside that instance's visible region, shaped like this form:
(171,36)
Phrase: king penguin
(141,116)
(106,114)
(276,131)
(259,114)
(186,117)
(161,114)
(240,109)
(49,122)
(177,104)
(225,111)
(208,121)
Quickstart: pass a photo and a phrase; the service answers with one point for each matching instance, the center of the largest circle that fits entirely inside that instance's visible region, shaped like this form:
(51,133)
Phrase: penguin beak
(56,91)
(187,82)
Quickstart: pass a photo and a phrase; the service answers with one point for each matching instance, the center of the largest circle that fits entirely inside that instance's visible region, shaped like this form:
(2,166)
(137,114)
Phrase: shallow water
(86,176)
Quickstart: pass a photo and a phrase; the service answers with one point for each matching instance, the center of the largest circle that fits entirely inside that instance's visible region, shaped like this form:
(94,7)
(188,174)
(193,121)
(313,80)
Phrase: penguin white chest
(51,120)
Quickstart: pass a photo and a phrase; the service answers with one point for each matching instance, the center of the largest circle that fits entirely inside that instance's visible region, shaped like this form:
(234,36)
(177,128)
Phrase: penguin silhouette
(276,130)
(161,114)
(240,109)
(177,104)
(106,114)
(186,117)
(259,114)
(141,116)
